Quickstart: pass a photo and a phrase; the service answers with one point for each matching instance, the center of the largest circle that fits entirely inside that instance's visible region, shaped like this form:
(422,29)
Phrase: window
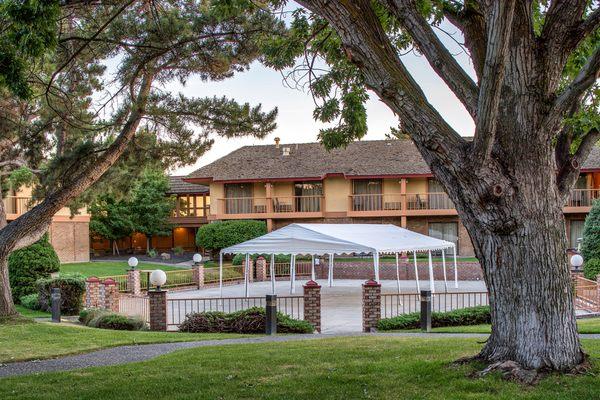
(575,232)
(308,196)
(238,198)
(367,194)
(444,230)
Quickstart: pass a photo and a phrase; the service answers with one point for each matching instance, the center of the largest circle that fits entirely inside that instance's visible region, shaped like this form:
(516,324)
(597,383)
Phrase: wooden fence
(586,294)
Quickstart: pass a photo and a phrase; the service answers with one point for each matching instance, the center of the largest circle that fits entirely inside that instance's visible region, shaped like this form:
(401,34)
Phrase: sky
(261,85)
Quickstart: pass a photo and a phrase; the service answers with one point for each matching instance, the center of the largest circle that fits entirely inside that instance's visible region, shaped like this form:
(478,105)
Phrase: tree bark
(7,306)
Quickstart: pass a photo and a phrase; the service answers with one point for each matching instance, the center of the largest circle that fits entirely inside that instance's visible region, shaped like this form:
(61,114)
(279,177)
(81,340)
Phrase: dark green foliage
(72,289)
(464,316)
(591,268)
(218,235)
(251,320)
(110,218)
(27,265)
(238,259)
(104,319)
(30,301)
(590,247)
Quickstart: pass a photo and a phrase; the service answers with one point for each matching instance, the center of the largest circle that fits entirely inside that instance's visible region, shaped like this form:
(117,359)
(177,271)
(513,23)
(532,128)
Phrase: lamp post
(132,262)
(158,278)
(197,259)
(576,262)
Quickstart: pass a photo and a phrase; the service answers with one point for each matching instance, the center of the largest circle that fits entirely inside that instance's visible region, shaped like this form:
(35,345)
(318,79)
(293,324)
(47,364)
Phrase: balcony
(14,206)
(398,204)
(271,207)
(580,200)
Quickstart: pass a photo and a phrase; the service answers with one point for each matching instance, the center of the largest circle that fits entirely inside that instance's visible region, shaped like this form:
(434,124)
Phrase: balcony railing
(376,202)
(297,204)
(428,201)
(275,205)
(17,205)
(244,205)
(583,197)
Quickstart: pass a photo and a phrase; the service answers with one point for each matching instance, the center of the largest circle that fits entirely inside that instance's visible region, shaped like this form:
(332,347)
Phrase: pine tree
(590,246)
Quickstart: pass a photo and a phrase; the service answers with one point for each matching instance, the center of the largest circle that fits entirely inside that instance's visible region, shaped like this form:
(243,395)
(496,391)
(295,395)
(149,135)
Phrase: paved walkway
(128,354)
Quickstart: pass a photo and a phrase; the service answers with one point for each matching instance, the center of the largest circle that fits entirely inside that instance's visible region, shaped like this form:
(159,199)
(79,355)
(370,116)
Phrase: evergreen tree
(150,207)
(111,219)
(590,246)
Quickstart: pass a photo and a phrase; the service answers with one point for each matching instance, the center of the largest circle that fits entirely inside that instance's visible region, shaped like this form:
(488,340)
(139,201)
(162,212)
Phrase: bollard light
(576,260)
(132,262)
(158,278)
(197,258)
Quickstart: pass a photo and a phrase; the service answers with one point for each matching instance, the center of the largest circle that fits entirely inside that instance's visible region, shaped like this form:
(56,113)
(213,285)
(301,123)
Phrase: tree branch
(436,53)
(499,33)
(590,24)
(575,91)
(569,170)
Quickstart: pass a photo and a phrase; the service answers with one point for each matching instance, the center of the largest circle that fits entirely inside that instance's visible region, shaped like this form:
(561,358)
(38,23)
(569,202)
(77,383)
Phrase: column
(261,269)
(92,292)
(312,304)
(133,282)
(111,295)
(371,304)
(198,275)
(158,310)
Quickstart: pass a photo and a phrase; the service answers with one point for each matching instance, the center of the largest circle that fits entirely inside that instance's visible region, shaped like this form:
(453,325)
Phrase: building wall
(336,192)
(70,239)
(217,191)
(416,185)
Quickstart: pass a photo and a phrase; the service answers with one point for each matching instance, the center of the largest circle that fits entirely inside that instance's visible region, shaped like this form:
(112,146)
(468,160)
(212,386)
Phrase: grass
(26,312)
(109,268)
(340,368)
(585,325)
(28,340)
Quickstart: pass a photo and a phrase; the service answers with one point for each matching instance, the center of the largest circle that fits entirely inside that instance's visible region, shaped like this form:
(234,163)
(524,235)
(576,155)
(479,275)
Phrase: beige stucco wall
(391,186)
(71,240)
(336,192)
(416,185)
(217,191)
(283,189)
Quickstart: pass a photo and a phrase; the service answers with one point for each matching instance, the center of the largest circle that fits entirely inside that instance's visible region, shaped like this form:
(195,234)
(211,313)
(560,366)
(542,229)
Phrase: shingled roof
(178,186)
(311,160)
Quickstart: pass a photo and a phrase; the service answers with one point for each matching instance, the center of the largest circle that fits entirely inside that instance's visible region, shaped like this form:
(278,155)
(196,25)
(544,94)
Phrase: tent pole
(444,268)
(455,269)
(312,267)
(431,280)
(330,274)
(416,272)
(221,274)
(272,271)
(246,277)
(376,265)
(293,274)
(397,272)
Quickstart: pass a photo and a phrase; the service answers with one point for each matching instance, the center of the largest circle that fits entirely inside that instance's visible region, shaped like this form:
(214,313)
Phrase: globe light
(197,258)
(133,262)
(576,260)
(158,278)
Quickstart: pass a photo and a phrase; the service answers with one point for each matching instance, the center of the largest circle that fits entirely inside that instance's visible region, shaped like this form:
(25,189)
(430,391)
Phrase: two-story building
(382,181)
(68,234)
(191,211)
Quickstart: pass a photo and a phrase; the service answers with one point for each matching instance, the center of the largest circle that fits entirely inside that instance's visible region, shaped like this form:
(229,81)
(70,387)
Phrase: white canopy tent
(331,239)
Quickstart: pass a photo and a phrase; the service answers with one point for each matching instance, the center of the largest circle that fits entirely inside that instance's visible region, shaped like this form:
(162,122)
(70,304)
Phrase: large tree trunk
(7,306)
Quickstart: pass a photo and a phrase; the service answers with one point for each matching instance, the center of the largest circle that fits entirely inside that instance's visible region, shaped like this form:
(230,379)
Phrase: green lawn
(586,325)
(27,340)
(340,368)
(26,312)
(108,268)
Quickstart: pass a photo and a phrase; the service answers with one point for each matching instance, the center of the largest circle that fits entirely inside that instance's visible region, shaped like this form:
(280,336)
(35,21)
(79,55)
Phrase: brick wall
(198,275)
(261,269)
(111,295)
(134,286)
(158,310)
(71,240)
(92,292)
(312,304)
(371,305)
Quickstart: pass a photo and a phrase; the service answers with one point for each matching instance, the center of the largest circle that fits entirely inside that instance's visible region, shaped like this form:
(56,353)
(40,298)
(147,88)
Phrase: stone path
(128,354)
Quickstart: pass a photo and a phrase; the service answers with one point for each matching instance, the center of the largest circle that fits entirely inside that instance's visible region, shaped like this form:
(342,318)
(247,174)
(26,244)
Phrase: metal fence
(178,309)
(283,269)
(586,294)
(396,304)
(135,306)
(230,273)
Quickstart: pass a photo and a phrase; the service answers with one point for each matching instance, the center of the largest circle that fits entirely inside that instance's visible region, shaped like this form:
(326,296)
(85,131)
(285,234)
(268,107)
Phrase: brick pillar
(158,310)
(198,275)
(261,269)
(371,305)
(111,295)
(92,292)
(312,304)
(250,270)
(133,282)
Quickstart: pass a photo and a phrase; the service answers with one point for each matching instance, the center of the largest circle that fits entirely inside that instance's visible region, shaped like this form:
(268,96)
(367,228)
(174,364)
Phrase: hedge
(251,320)
(104,319)
(218,235)
(27,265)
(30,301)
(464,316)
(591,268)
(590,246)
(72,289)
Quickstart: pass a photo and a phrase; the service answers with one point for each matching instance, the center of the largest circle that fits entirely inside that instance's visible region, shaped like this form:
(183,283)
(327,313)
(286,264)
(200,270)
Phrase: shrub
(238,259)
(590,246)
(72,289)
(218,235)
(104,319)
(152,253)
(30,301)
(591,268)
(251,320)
(178,250)
(27,265)
(464,316)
